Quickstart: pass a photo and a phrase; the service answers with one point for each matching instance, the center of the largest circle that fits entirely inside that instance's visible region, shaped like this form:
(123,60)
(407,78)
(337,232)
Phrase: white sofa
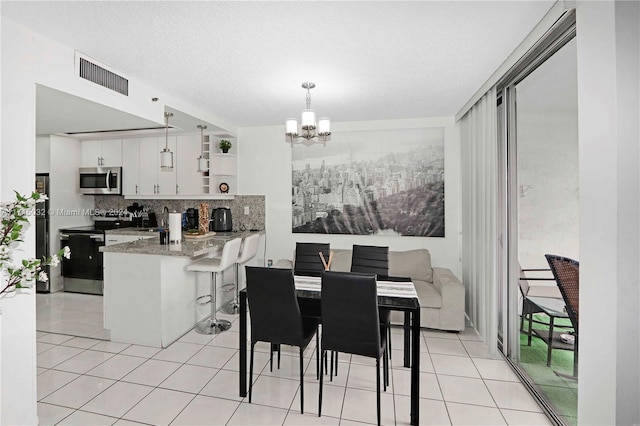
(441,293)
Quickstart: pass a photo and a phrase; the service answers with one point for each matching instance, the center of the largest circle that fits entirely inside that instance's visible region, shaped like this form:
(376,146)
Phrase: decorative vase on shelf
(224,146)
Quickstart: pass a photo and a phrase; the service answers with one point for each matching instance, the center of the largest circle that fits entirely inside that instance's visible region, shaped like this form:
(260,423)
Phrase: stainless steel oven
(83,272)
(100,180)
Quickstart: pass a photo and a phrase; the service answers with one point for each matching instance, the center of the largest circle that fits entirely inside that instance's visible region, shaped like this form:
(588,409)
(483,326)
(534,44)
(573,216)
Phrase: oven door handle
(64,236)
(97,237)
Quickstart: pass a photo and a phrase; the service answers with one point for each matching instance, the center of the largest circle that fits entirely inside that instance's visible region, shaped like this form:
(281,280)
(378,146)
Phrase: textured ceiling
(244,61)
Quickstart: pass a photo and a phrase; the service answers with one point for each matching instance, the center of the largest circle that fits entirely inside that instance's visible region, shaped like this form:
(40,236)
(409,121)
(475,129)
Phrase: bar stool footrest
(204,300)
(228,287)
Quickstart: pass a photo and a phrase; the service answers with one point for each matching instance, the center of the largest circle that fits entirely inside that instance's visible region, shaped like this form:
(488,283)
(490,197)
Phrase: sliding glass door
(538,158)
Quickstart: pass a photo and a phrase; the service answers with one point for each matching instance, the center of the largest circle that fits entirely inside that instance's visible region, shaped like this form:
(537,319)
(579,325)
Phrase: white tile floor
(90,381)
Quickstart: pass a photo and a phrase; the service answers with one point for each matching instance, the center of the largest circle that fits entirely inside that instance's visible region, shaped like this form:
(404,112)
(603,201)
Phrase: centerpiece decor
(14,222)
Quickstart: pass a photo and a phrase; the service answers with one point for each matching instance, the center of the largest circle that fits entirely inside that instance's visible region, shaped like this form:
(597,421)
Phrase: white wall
(43,160)
(29,59)
(265,168)
(608,114)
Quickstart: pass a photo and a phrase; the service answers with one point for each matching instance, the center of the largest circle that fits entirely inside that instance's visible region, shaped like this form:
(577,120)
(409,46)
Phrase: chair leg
(251,371)
(378,388)
(270,357)
(385,366)
(331,367)
(301,383)
(337,364)
(320,392)
(389,340)
(279,346)
(317,353)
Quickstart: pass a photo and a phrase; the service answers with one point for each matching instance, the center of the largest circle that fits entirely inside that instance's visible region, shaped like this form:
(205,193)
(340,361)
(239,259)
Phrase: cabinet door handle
(177,189)
(136,188)
(155,191)
(158,189)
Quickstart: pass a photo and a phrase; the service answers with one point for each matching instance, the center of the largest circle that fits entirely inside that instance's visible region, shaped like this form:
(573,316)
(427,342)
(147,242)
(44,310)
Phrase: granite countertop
(139,232)
(186,248)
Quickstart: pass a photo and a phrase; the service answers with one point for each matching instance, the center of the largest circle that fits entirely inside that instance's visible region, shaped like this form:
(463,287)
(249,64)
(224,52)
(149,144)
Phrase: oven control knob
(90,257)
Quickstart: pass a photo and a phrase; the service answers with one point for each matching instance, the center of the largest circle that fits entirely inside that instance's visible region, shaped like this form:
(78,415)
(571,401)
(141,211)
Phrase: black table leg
(407,339)
(415,366)
(243,344)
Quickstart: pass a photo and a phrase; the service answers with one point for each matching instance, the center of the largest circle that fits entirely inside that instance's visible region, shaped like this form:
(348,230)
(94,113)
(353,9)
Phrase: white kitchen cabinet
(102,153)
(167,177)
(148,166)
(131,167)
(152,179)
(143,177)
(188,179)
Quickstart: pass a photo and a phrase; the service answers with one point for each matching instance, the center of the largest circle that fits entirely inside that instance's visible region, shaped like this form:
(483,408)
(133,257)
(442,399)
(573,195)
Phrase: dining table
(394,293)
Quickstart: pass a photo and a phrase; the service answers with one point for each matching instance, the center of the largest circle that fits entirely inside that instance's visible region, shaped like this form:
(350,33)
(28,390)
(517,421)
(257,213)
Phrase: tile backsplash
(254,220)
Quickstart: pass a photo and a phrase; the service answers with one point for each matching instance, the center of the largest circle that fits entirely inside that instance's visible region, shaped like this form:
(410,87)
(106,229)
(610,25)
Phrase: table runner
(385,288)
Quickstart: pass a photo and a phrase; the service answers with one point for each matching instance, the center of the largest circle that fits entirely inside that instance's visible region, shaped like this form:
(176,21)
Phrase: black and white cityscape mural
(387,182)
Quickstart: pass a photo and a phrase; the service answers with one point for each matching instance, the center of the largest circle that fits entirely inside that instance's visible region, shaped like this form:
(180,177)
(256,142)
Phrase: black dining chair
(308,263)
(350,321)
(275,316)
(374,260)
(307,259)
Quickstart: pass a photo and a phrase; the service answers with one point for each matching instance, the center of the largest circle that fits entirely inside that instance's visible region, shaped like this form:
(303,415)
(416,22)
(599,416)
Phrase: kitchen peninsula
(149,296)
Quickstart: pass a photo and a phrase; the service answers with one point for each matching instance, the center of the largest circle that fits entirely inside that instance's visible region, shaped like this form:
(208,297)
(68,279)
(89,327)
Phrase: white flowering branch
(14,223)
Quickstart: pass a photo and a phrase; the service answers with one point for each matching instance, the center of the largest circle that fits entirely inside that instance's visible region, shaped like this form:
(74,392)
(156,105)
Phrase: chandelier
(312,132)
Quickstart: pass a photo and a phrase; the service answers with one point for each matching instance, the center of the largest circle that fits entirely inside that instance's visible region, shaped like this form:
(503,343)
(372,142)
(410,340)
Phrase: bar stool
(215,266)
(247,252)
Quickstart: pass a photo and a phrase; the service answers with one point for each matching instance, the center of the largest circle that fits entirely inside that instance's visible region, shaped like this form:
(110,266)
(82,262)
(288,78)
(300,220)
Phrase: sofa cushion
(429,296)
(411,263)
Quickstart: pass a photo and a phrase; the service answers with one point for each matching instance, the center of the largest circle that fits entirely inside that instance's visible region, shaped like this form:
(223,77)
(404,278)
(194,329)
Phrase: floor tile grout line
(262,371)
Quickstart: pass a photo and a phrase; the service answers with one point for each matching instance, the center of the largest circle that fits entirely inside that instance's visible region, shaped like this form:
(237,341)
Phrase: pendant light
(203,165)
(166,156)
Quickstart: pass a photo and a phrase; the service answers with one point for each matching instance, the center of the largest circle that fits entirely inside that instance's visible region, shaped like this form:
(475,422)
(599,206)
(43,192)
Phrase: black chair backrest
(308,262)
(567,274)
(273,306)
(350,321)
(370,260)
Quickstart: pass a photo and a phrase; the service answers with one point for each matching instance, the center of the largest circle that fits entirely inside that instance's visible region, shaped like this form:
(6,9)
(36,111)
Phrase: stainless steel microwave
(100,180)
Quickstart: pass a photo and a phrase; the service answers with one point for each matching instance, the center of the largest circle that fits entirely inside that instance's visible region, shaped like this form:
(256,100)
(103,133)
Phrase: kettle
(221,220)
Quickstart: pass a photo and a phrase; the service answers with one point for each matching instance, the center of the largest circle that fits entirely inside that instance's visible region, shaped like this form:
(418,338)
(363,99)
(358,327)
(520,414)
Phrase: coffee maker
(192,218)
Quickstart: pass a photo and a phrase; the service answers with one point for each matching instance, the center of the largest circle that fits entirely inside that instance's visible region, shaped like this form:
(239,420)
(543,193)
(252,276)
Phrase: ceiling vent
(103,77)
